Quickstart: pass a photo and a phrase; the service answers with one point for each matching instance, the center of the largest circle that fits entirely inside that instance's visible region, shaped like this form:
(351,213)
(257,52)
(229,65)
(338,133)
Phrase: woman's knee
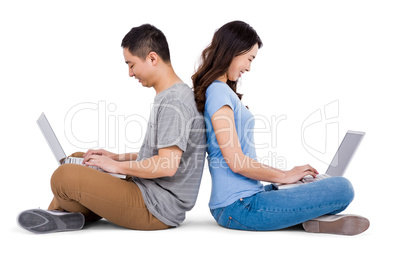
(345,189)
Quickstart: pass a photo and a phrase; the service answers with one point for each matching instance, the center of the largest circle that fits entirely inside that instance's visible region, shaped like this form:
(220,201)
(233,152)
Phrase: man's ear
(153,57)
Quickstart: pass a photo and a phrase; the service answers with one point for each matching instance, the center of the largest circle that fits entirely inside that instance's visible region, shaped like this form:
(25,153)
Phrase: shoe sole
(338,224)
(41,221)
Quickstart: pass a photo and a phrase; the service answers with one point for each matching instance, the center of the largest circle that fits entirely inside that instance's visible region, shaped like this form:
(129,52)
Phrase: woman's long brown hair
(232,39)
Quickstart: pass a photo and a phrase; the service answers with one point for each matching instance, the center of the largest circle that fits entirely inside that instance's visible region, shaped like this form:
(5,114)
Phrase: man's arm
(164,164)
(127,157)
(113,156)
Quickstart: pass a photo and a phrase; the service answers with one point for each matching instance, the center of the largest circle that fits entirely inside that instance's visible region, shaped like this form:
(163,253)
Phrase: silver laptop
(58,151)
(339,163)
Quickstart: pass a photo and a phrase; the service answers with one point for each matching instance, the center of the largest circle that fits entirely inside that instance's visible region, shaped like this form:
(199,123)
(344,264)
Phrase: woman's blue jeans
(275,209)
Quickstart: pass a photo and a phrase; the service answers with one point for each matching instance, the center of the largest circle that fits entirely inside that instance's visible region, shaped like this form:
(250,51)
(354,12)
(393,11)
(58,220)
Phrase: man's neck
(166,80)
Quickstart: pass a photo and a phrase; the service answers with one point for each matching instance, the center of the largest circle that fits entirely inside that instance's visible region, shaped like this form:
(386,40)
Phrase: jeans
(275,209)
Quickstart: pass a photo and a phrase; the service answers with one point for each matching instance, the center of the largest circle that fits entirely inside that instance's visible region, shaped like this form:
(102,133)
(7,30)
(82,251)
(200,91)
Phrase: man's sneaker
(46,221)
(337,224)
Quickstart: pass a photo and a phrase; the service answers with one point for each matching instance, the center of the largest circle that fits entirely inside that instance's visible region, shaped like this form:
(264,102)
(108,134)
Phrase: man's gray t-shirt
(174,120)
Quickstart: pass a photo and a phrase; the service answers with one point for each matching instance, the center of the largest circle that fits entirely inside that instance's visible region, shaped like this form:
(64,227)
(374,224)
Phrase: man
(163,179)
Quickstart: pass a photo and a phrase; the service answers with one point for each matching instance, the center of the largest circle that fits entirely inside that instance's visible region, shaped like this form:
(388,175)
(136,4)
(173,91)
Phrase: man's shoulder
(177,92)
(179,95)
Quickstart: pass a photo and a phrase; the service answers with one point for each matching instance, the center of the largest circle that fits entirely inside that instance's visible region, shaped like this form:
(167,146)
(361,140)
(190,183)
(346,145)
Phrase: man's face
(138,68)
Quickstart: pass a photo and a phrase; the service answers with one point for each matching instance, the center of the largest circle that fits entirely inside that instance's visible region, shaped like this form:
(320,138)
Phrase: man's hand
(102,161)
(99,152)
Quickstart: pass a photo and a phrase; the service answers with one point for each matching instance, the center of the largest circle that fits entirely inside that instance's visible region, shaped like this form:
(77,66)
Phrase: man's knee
(60,177)
(77,154)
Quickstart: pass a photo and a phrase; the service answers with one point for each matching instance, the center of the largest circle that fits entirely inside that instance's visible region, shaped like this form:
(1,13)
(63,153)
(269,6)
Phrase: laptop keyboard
(78,161)
(75,160)
(310,178)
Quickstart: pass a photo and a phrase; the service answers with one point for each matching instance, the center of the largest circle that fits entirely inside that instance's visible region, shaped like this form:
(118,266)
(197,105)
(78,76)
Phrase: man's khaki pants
(99,195)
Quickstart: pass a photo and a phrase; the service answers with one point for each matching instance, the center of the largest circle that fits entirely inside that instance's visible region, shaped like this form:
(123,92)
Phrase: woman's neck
(223,78)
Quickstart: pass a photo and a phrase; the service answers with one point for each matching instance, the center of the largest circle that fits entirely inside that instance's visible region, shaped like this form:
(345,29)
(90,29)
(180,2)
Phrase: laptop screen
(51,138)
(345,153)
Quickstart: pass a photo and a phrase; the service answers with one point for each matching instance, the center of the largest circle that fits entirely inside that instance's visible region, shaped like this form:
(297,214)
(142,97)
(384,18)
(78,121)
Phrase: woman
(239,200)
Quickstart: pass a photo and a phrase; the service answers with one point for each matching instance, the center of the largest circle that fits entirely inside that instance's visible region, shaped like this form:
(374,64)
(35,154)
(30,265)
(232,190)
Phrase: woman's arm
(226,135)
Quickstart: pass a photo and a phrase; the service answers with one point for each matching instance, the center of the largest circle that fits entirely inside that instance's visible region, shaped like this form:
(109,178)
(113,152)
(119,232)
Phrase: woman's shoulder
(218,88)
(220,94)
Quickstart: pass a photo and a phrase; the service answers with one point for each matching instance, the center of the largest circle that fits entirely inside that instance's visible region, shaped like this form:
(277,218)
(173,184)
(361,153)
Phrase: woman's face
(241,64)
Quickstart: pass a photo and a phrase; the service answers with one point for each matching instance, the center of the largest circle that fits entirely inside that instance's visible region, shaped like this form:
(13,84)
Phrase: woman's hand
(102,161)
(297,173)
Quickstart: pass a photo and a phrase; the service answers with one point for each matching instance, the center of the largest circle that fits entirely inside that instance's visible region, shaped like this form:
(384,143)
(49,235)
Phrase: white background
(345,55)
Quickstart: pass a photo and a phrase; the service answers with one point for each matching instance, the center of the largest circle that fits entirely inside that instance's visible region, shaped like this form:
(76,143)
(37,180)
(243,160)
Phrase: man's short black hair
(142,40)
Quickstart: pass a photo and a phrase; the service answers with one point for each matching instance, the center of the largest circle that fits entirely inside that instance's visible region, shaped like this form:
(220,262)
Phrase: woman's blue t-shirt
(227,186)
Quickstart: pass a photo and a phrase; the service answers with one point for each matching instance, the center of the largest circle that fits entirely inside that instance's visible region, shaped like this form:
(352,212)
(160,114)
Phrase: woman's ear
(153,57)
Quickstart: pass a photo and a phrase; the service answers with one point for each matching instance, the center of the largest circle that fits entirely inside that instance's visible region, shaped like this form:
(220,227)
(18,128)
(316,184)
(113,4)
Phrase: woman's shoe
(337,224)
(46,221)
